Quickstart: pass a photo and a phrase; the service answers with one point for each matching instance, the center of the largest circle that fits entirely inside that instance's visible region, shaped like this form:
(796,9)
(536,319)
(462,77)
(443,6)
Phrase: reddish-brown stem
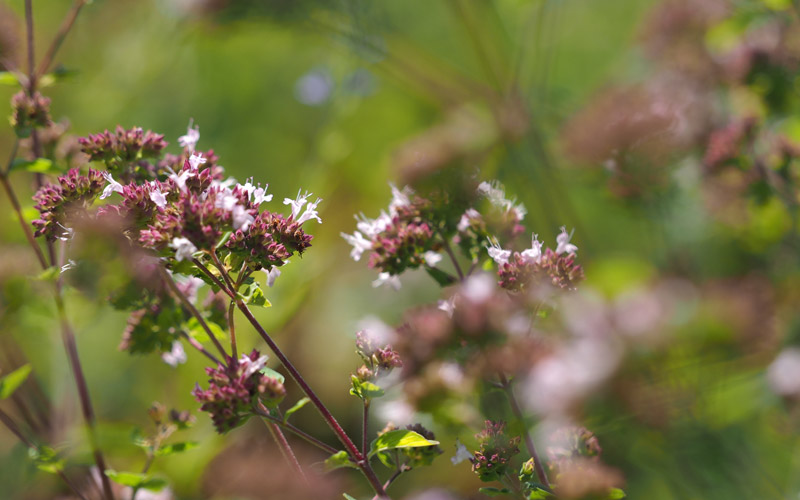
(192,309)
(68,337)
(537,463)
(11,426)
(63,30)
(364,427)
(232,329)
(29,36)
(213,278)
(263,413)
(223,272)
(452,257)
(361,460)
(25,229)
(197,345)
(286,449)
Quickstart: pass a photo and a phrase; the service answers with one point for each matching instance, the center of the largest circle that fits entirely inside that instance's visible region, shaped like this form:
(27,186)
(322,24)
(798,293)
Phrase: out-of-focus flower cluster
(235,388)
(492,459)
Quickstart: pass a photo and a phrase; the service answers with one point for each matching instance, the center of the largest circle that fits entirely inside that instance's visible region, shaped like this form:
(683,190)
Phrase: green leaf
(301,403)
(46,459)
(364,389)
(49,274)
(13,380)
(338,460)
(197,332)
(8,78)
(176,448)
(494,492)
(254,296)
(348,497)
(225,237)
(269,372)
(399,439)
(38,166)
(440,276)
(616,494)
(136,480)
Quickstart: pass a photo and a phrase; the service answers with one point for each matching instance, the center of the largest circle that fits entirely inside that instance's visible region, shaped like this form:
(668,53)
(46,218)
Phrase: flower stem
(263,413)
(352,449)
(213,278)
(286,449)
(452,257)
(192,309)
(537,463)
(364,428)
(63,30)
(197,345)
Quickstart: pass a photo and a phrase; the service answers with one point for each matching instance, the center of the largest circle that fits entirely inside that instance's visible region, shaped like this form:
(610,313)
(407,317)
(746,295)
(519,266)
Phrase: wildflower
(310,213)
(241,218)
(176,356)
(387,279)
(497,197)
(183,248)
(431,258)
(156,196)
(534,253)
(29,112)
(373,227)
(180,179)
(564,246)
(189,141)
(113,186)
(497,253)
(466,220)
(196,160)
(297,203)
(69,265)
(491,460)
(448,306)
(233,390)
(360,244)
(399,198)
(462,453)
(272,275)
(783,374)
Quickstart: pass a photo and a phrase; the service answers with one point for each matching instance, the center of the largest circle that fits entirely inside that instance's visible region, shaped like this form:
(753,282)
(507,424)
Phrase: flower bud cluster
(490,462)
(235,388)
(572,443)
(377,360)
(29,112)
(520,272)
(269,241)
(123,146)
(57,203)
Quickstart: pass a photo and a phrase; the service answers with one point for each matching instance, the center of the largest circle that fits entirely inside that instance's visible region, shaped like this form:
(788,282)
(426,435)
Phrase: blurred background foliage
(341,96)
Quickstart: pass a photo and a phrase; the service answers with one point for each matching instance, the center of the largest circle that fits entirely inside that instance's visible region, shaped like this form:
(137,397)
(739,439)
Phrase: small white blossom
(180,179)
(196,160)
(241,218)
(783,374)
(183,248)
(189,141)
(479,288)
(462,454)
(257,193)
(466,219)
(273,274)
(534,253)
(448,305)
(497,253)
(297,203)
(432,258)
(175,356)
(399,198)
(360,244)
(310,213)
(387,279)
(113,186)
(252,366)
(69,265)
(496,195)
(373,227)
(564,246)
(67,233)
(157,197)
